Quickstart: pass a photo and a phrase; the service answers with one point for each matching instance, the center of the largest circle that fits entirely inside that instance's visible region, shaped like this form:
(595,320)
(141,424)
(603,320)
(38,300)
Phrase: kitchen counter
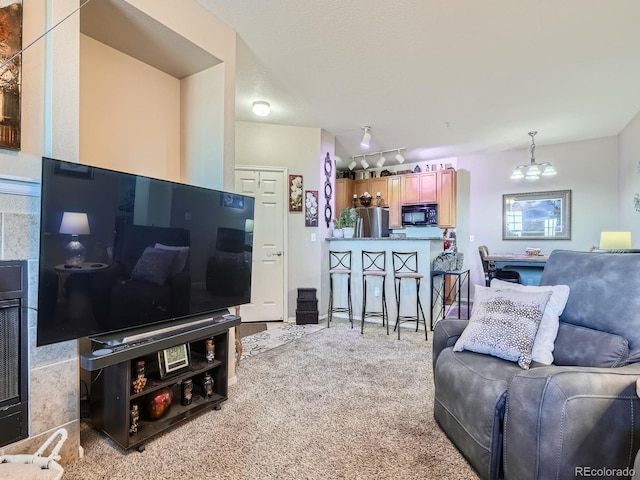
(427,247)
(384,238)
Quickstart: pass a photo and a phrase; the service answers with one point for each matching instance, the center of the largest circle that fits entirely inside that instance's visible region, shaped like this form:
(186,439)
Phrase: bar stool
(374,266)
(339,264)
(405,267)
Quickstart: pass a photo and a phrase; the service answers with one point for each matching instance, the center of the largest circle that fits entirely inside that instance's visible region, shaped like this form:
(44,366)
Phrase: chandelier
(533,170)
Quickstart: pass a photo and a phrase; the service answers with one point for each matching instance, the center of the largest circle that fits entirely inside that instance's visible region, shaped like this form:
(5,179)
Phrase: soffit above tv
(121,26)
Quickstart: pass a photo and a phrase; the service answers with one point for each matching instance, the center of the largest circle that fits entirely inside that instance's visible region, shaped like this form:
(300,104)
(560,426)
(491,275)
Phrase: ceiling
(440,78)
(143,38)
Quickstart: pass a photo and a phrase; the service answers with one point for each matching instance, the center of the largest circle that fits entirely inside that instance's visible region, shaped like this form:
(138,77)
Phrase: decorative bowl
(365,201)
(158,403)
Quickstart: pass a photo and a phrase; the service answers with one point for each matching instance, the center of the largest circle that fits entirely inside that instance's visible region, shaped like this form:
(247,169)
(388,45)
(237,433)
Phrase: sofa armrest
(445,334)
(559,419)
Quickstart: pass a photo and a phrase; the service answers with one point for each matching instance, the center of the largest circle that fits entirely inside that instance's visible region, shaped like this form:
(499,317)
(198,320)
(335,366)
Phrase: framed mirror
(537,215)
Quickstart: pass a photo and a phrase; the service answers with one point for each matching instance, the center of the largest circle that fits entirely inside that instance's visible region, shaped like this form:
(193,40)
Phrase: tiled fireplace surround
(54,369)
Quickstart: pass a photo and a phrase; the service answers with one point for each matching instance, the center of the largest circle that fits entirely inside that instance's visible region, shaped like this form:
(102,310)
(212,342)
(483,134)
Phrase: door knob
(277,254)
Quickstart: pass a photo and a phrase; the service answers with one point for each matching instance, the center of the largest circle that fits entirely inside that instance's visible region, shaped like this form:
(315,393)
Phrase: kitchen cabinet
(362,186)
(409,189)
(428,187)
(419,188)
(393,193)
(447,198)
(345,188)
(380,184)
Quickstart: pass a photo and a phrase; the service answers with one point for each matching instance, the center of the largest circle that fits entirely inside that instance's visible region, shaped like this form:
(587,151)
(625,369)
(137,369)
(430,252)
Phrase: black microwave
(420,215)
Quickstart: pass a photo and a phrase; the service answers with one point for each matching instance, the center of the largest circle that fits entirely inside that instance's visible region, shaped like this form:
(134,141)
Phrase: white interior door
(268,277)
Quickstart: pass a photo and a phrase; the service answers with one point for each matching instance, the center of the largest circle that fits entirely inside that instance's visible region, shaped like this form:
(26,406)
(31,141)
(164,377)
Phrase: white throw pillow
(548,330)
(504,324)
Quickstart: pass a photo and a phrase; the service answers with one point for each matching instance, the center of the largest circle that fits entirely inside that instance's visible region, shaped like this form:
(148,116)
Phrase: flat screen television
(120,251)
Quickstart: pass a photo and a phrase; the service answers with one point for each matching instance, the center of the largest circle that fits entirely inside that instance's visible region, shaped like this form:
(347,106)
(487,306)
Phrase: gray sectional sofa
(579,416)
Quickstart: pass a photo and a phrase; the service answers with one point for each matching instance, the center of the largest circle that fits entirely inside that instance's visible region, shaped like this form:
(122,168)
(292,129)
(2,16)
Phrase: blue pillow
(154,265)
(585,347)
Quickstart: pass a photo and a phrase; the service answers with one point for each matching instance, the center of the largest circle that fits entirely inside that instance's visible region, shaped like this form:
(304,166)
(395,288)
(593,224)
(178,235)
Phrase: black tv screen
(119,251)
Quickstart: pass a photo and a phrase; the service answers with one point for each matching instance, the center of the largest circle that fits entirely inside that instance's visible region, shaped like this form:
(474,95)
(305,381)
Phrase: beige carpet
(333,404)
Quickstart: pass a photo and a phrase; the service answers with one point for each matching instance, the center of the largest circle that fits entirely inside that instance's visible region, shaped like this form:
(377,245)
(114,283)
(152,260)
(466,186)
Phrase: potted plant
(337,228)
(348,218)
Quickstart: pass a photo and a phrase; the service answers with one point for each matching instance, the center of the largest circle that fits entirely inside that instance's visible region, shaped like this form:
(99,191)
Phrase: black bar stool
(339,264)
(374,266)
(405,267)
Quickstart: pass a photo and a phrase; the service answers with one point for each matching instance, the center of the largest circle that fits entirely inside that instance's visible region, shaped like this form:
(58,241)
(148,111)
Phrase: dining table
(529,266)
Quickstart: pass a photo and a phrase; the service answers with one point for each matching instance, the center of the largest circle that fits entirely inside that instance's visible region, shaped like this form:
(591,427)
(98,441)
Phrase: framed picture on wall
(537,216)
(11,78)
(311,208)
(295,193)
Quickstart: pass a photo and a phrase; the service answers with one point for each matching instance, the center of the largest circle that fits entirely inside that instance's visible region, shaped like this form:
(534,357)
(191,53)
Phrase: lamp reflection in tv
(74,224)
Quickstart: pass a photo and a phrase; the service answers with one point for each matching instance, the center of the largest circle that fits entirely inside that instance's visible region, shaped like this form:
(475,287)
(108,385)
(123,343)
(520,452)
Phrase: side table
(438,291)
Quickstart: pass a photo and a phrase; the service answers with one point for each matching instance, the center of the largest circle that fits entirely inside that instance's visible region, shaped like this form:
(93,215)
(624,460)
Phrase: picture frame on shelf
(174,360)
(537,215)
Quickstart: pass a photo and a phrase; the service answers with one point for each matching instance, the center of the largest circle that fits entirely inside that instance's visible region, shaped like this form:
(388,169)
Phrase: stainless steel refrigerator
(373,222)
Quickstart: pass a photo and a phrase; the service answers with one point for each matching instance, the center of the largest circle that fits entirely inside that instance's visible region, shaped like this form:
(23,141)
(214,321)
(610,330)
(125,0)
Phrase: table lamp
(615,240)
(74,224)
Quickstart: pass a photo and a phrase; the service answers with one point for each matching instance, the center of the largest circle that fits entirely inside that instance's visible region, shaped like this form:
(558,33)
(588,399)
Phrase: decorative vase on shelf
(139,381)
(338,233)
(158,403)
(365,201)
(210,353)
(207,386)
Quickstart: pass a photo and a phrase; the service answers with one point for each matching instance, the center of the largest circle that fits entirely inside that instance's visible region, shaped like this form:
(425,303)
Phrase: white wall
(587,168)
(302,151)
(629,179)
(200,27)
(129,112)
(202,127)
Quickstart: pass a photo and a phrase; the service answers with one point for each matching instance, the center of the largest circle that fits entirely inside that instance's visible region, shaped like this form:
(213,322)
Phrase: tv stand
(113,370)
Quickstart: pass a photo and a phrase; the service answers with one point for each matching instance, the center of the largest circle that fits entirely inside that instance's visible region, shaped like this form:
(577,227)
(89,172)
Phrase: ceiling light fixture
(366,138)
(533,170)
(261,108)
(379,163)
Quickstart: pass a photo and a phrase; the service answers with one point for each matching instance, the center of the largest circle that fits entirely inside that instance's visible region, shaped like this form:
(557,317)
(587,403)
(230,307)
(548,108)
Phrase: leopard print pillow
(504,324)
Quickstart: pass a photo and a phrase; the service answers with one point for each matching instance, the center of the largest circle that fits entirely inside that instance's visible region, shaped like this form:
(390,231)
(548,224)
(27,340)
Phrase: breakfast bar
(427,247)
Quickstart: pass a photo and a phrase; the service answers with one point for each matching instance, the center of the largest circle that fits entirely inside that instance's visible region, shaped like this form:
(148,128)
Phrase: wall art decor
(295,193)
(328,190)
(537,216)
(10,74)
(311,208)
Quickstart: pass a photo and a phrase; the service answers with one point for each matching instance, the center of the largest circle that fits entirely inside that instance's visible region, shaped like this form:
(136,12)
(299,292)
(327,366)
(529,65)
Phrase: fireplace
(14,367)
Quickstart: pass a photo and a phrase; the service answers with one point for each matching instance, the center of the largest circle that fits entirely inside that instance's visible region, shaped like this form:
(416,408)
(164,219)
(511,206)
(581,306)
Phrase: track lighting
(261,108)
(533,170)
(366,138)
(379,163)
